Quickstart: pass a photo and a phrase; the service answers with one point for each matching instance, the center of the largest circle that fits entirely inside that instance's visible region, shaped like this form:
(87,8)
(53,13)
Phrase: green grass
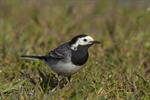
(119,69)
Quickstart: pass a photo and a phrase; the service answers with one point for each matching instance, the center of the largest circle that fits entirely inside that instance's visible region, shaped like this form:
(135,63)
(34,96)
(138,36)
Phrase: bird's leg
(69,79)
(59,81)
(57,87)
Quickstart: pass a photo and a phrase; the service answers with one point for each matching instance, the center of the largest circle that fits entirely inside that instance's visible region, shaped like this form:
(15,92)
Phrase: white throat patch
(82,41)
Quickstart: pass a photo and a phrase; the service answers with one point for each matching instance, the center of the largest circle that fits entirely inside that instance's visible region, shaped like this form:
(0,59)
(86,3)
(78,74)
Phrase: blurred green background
(118,70)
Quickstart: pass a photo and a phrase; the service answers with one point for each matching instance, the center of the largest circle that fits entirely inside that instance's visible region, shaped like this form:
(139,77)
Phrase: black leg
(58,83)
(69,78)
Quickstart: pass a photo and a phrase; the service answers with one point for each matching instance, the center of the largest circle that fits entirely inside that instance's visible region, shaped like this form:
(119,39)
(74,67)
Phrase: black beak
(96,42)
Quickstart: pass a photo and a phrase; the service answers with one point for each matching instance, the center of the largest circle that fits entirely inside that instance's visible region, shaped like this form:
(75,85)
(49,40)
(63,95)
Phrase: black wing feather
(60,52)
(55,54)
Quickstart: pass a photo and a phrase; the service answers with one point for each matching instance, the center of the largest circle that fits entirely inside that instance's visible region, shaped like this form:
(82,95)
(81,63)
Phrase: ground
(119,69)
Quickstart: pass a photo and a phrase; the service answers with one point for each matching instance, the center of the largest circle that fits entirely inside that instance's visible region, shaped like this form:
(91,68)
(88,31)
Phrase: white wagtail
(69,57)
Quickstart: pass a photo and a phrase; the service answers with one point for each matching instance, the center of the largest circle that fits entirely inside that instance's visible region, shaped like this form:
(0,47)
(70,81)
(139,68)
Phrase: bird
(68,58)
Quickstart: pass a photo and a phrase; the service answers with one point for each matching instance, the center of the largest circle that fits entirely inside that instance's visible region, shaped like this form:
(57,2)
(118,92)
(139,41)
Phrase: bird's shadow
(46,81)
(50,81)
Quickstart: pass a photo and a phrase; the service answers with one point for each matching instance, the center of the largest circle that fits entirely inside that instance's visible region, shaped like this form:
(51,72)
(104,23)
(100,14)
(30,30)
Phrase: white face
(82,41)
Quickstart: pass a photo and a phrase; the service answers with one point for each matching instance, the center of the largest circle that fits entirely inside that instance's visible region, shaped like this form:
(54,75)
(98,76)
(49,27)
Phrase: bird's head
(82,41)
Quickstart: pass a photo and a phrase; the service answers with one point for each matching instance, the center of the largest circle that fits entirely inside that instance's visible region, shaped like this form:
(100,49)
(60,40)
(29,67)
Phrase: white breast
(65,68)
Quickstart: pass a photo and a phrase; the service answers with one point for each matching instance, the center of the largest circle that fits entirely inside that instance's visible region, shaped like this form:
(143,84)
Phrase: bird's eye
(85,40)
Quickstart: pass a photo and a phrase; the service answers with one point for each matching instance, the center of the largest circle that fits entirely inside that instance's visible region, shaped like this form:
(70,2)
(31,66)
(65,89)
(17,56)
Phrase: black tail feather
(33,57)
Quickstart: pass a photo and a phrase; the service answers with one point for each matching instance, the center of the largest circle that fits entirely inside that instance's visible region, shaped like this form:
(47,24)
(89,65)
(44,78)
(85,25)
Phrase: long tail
(33,57)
